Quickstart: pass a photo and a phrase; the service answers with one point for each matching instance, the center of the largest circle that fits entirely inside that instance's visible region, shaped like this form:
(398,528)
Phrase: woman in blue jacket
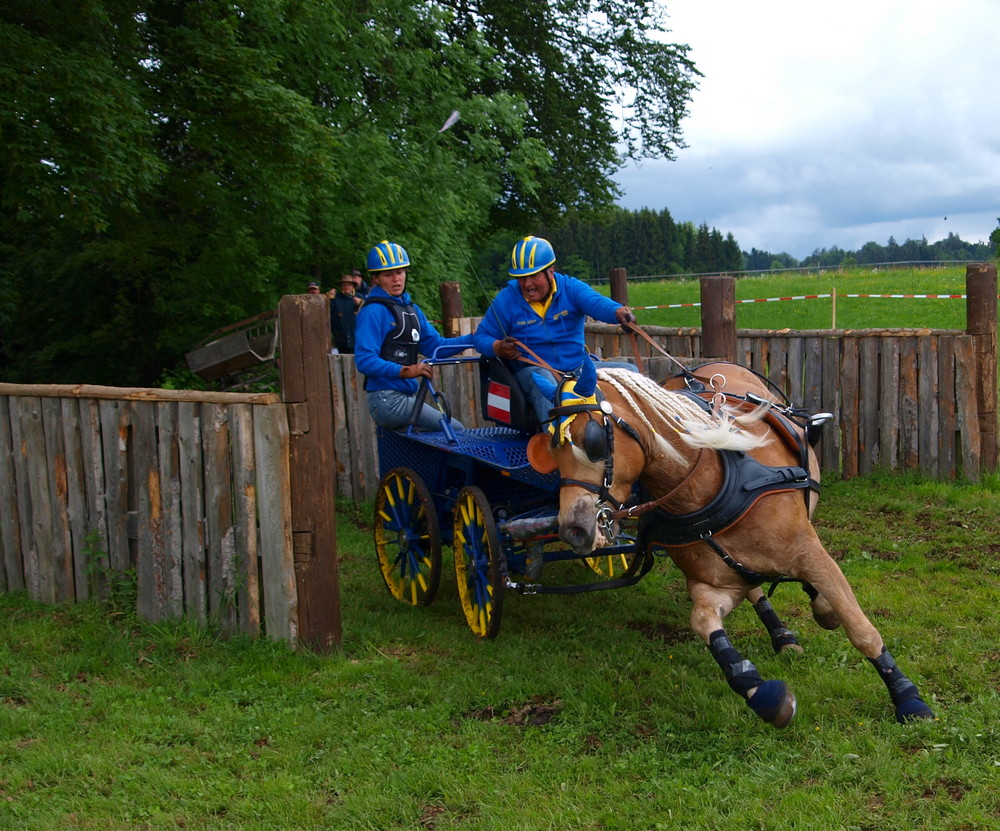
(391,333)
(546,311)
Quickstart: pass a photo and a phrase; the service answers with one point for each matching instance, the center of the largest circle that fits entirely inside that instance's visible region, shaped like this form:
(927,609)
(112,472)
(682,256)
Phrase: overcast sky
(833,124)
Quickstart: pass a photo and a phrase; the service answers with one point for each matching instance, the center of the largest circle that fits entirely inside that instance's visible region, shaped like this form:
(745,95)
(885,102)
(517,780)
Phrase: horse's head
(597,466)
(607,435)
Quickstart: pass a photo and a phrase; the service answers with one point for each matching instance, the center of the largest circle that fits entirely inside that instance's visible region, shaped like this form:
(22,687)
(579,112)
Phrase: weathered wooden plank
(967,407)
(172,573)
(869,457)
(39,567)
(345,462)
(149,566)
(77,504)
(946,407)
(245,515)
(271,447)
(219,530)
(829,447)
(777,369)
(909,451)
(135,393)
(96,540)
(115,416)
(796,369)
(55,476)
(812,376)
(193,557)
(928,420)
(11,567)
(889,413)
(849,406)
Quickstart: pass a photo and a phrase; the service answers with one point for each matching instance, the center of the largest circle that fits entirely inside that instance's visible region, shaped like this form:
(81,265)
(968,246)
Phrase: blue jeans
(392,409)
(537,398)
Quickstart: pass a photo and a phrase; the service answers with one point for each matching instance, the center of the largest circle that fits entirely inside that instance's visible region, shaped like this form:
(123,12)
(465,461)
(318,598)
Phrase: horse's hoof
(913,709)
(829,620)
(785,642)
(774,703)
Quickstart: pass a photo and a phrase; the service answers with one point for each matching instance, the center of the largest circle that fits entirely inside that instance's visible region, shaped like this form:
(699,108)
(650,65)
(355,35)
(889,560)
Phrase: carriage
(477,491)
(696,457)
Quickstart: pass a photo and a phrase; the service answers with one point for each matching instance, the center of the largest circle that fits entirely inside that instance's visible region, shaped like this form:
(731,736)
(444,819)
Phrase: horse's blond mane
(696,427)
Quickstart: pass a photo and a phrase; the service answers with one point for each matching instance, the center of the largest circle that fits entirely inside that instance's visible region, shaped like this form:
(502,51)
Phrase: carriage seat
(502,400)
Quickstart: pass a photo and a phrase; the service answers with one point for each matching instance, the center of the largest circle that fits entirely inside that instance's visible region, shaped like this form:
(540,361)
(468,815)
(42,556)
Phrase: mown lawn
(815,312)
(597,711)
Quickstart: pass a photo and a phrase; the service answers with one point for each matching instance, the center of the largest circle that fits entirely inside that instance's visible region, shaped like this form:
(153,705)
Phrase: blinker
(595,441)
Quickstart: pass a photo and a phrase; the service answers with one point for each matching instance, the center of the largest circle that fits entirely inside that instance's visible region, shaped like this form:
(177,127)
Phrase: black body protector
(401,342)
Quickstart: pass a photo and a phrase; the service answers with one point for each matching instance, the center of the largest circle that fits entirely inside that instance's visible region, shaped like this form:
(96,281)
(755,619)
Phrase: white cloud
(817,126)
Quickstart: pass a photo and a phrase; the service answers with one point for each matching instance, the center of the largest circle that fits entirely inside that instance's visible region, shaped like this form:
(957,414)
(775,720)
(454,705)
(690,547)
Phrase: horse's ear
(588,379)
(545,384)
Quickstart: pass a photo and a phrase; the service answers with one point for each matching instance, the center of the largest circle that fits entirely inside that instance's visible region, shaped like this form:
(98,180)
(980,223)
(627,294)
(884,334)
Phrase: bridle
(599,445)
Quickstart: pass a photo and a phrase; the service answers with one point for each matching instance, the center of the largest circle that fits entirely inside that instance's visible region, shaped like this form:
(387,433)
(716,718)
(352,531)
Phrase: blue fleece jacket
(374,322)
(558,337)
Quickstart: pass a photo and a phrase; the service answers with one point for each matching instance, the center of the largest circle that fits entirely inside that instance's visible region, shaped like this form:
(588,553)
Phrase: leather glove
(506,348)
(623,314)
(415,370)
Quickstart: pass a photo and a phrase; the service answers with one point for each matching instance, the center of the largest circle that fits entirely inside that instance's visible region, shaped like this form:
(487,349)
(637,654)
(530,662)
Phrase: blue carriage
(477,492)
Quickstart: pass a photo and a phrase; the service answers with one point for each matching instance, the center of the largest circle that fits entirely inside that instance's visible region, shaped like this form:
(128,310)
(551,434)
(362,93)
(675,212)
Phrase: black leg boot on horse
(771,700)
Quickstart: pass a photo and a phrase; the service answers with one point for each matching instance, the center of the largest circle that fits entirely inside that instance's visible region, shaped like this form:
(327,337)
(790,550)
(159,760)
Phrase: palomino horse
(730,502)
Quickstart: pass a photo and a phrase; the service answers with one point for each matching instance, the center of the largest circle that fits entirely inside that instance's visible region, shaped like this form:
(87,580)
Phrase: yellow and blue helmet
(387,256)
(530,255)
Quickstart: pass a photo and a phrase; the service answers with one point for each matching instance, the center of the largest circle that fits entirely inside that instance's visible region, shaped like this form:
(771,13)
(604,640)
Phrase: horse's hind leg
(771,700)
(827,576)
(782,638)
(822,611)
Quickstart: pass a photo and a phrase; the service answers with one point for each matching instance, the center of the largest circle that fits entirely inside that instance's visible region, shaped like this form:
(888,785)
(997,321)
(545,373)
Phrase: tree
(170,167)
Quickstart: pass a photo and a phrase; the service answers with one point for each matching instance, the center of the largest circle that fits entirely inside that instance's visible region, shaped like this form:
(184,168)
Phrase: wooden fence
(187,492)
(902,400)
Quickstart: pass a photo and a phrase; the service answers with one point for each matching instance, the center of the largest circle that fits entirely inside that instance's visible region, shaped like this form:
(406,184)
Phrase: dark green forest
(169,167)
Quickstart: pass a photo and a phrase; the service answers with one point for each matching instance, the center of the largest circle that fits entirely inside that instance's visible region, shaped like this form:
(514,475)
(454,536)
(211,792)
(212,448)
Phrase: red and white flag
(498,402)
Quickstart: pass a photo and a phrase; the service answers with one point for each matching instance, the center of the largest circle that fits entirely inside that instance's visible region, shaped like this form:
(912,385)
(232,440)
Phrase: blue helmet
(531,255)
(387,256)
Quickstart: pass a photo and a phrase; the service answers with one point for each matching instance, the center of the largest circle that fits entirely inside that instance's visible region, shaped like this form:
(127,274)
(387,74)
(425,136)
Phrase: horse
(730,501)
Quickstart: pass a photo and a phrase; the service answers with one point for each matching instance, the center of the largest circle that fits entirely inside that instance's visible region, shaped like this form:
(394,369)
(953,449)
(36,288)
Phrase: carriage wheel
(477,563)
(407,537)
(616,566)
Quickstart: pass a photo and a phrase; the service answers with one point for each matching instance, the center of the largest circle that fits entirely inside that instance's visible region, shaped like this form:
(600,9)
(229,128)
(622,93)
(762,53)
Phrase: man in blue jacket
(545,311)
(391,332)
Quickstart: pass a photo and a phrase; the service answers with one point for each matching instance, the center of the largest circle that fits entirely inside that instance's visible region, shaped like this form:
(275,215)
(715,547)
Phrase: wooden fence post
(981,323)
(451,308)
(304,325)
(718,317)
(619,285)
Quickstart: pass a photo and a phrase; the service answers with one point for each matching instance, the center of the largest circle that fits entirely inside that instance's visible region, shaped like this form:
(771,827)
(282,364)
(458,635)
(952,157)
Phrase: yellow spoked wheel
(407,537)
(477,563)
(621,564)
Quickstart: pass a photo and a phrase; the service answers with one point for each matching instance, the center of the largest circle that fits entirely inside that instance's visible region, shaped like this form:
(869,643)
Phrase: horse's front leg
(826,576)
(771,700)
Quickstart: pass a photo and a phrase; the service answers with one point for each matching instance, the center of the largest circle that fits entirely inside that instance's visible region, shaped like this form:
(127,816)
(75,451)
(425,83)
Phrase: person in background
(391,333)
(546,311)
(312,288)
(361,288)
(343,309)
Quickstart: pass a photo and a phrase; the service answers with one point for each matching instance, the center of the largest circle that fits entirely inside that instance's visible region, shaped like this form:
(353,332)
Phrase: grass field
(598,711)
(851,313)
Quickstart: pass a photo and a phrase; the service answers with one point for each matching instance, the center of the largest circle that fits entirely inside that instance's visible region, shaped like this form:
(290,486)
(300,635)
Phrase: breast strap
(745,480)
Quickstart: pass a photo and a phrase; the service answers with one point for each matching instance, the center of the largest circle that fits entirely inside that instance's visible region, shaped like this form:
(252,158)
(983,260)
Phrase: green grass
(107,723)
(851,313)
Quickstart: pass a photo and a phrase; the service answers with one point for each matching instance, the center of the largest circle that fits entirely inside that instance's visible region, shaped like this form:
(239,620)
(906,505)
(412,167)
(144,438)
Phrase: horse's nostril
(573,535)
